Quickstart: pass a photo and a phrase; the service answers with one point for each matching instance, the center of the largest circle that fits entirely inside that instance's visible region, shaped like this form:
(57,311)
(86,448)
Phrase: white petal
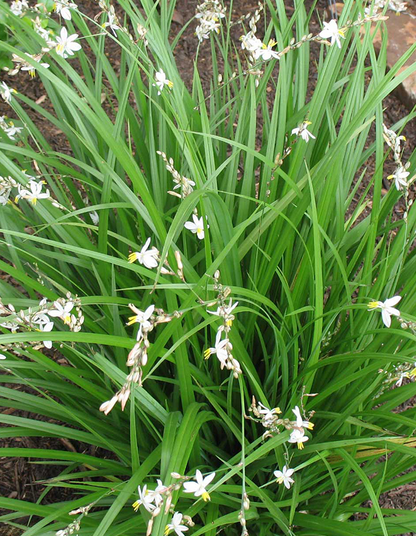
(386,318)
(392,301)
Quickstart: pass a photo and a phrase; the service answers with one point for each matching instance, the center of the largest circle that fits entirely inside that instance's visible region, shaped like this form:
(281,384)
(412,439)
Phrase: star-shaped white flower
(6,92)
(219,349)
(147,257)
(176,525)
(33,193)
(162,81)
(299,437)
(148,498)
(266,52)
(66,44)
(300,423)
(62,311)
(197,226)
(303,132)
(12,131)
(63,8)
(399,177)
(387,309)
(331,31)
(284,476)
(141,317)
(198,487)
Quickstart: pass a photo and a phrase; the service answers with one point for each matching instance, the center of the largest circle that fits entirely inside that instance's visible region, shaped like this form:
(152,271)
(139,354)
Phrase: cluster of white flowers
(223,347)
(154,501)
(19,7)
(379,5)
(271,420)
(400,176)
(181,182)
(209,14)
(10,129)
(39,319)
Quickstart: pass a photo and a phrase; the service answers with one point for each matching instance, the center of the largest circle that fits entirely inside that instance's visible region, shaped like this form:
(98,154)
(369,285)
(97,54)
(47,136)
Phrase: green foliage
(293,247)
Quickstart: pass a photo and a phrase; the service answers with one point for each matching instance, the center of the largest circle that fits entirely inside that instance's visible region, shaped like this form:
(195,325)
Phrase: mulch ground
(21,478)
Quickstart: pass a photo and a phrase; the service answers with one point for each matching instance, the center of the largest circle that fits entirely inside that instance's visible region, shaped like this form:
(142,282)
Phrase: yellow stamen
(277,410)
(132,320)
(33,200)
(412,372)
(133,257)
(373,304)
(280,480)
(60,48)
(206,496)
(300,445)
(67,319)
(207,353)
(199,230)
(229,323)
(310,426)
(166,530)
(136,505)
(170,84)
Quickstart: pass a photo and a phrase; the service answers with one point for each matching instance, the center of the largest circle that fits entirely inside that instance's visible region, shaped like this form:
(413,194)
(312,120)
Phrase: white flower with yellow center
(220,349)
(162,81)
(198,488)
(66,44)
(63,8)
(196,227)
(62,311)
(387,309)
(284,476)
(399,177)
(331,31)
(303,132)
(141,318)
(299,437)
(300,423)
(32,192)
(147,257)
(6,92)
(148,498)
(176,525)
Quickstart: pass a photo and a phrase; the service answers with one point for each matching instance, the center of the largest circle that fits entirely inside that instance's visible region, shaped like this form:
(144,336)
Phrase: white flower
(46,328)
(66,46)
(331,31)
(62,311)
(175,525)
(387,309)
(303,132)
(198,487)
(2,356)
(299,437)
(6,92)
(12,131)
(250,42)
(112,21)
(162,81)
(147,257)
(33,193)
(141,317)
(18,7)
(31,68)
(226,312)
(399,177)
(283,476)
(95,218)
(268,415)
(301,423)
(196,227)
(266,52)
(63,8)
(148,498)
(219,349)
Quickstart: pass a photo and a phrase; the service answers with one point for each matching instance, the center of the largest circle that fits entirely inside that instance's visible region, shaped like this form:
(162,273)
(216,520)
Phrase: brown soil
(21,478)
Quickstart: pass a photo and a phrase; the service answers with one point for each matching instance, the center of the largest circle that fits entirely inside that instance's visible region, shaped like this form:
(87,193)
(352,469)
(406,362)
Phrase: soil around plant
(24,479)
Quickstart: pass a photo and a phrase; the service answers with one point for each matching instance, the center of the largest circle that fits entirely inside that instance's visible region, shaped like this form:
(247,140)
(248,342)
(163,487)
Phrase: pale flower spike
(387,309)
(198,488)
(284,476)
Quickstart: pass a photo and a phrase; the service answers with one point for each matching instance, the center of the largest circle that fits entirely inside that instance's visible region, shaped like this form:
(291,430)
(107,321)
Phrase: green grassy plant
(283,236)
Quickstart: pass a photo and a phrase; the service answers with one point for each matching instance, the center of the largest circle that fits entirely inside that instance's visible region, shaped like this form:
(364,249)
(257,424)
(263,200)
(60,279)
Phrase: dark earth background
(25,479)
